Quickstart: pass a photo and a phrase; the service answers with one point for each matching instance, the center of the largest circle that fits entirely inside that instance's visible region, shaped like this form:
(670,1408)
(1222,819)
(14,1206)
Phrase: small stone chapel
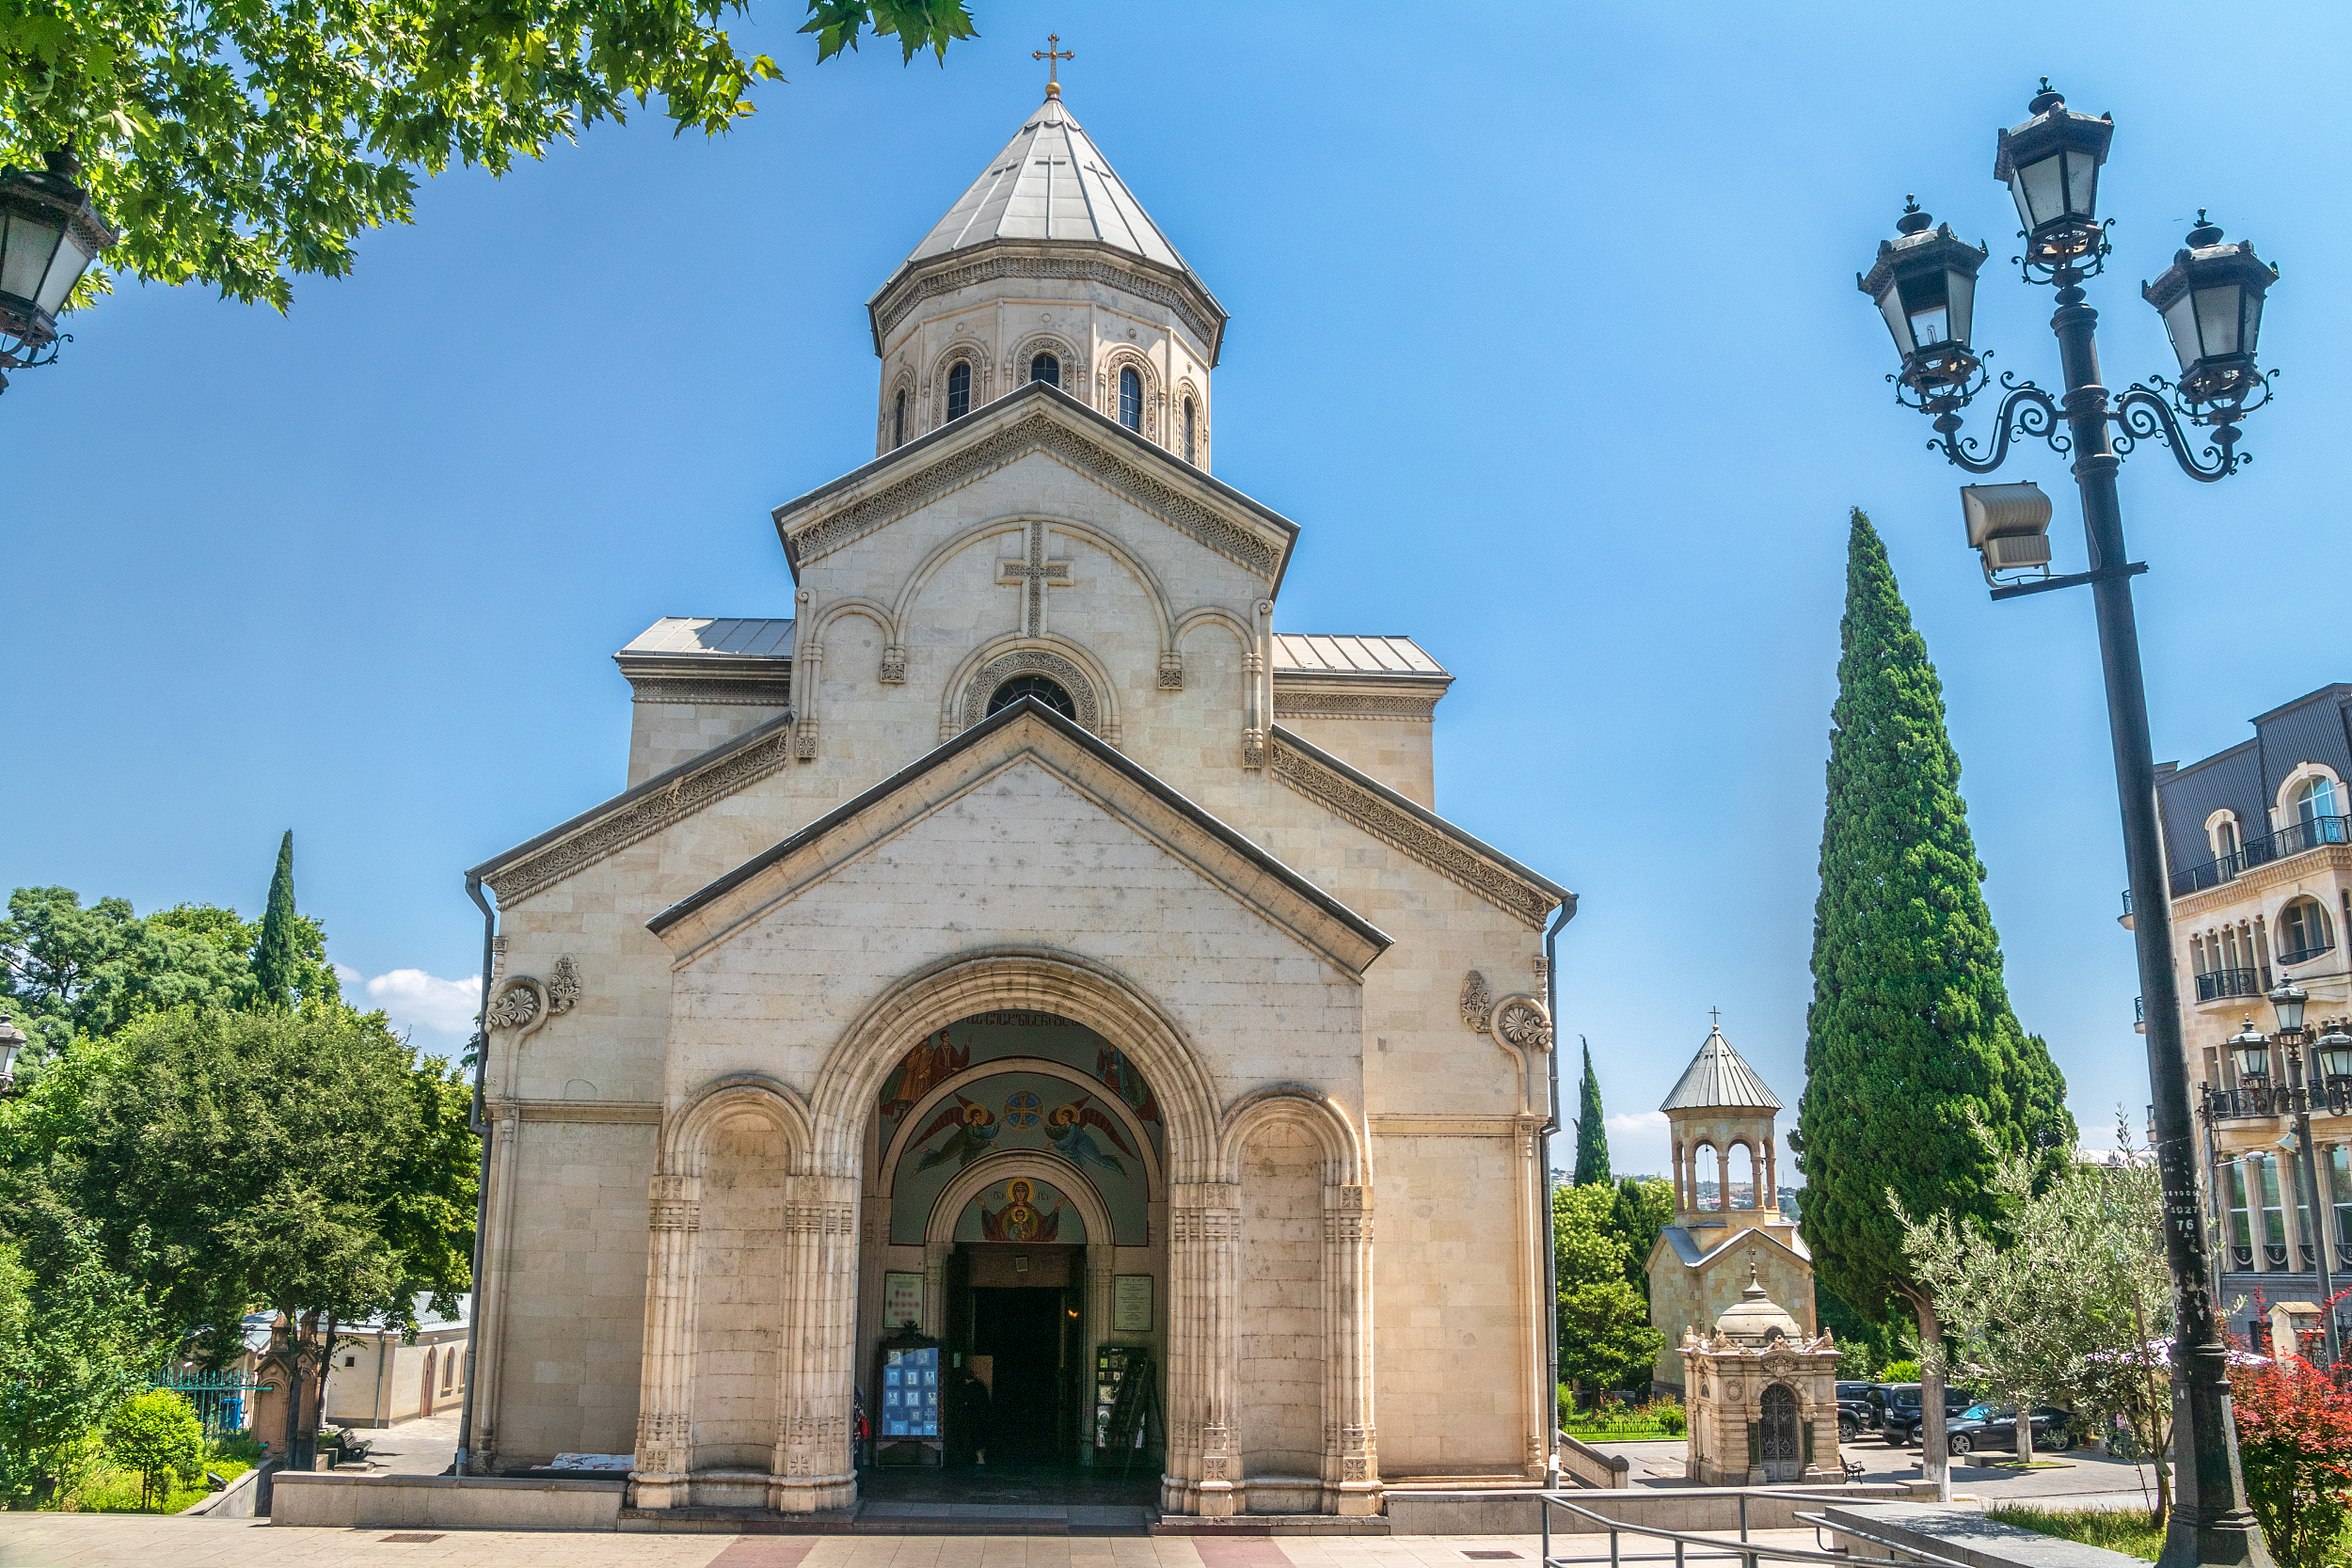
(1015,962)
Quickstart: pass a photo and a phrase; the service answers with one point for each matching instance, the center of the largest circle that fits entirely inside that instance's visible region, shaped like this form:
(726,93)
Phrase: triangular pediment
(1038,419)
(1083,776)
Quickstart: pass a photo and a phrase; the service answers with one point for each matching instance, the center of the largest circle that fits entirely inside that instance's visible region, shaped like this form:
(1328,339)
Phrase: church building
(1016,964)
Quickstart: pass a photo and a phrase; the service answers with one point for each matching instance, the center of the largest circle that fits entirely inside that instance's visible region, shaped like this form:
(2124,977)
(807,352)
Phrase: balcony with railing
(2313,833)
(2217,985)
(2254,1097)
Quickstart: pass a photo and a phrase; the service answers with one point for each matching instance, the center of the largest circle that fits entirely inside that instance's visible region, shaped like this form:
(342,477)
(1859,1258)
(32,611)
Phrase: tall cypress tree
(1592,1131)
(1910,1035)
(276,955)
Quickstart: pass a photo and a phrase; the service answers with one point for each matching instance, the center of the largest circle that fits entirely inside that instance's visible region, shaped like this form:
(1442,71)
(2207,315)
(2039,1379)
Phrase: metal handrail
(2214,983)
(1746,1551)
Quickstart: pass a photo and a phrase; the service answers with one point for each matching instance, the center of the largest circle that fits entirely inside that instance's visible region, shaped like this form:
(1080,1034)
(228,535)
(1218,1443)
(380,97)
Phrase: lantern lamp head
(2251,1047)
(1924,282)
(2211,299)
(11,1041)
(2051,165)
(2287,1000)
(49,235)
(2332,1054)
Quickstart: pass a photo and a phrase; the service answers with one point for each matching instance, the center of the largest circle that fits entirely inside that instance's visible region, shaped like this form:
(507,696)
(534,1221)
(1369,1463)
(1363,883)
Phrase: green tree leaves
(1592,1127)
(240,143)
(1605,1337)
(1910,1039)
(157,1435)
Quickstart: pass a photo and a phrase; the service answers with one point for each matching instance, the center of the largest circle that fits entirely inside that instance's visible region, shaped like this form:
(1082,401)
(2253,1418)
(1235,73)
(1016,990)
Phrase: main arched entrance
(1014,1163)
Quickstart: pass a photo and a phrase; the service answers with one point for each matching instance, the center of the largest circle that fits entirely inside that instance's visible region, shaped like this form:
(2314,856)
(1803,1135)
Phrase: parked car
(1901,1425)
(1856,1413)
(1995,1426)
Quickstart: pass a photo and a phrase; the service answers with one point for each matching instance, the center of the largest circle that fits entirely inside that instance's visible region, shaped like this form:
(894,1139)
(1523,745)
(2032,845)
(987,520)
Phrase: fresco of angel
(1072,1128)
(974,1127)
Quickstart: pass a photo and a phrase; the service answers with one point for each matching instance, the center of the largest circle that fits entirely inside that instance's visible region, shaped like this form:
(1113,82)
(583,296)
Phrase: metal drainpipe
(1543,1149)
(481,1127)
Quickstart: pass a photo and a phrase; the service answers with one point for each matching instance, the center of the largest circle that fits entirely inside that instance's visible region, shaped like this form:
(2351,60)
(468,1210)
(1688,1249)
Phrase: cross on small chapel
(1717,1014)
(1036,574)
(1052,55)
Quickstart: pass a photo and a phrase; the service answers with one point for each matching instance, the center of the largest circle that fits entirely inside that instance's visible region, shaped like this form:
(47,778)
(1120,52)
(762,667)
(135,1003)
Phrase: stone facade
(1000,863)
(1719,1119)
(2257,851)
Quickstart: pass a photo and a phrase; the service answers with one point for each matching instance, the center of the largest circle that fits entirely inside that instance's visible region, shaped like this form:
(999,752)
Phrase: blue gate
(223,1401)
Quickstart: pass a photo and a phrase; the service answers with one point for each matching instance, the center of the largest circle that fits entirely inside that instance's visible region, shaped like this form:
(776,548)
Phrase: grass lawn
(2130,1530)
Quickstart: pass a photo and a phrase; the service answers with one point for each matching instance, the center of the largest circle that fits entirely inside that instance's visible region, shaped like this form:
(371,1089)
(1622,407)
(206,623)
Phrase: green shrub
(1900,1371)
(157,1436)
(1671,1415)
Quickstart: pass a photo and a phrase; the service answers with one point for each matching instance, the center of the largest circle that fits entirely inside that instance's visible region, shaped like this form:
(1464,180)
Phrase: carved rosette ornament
(525,1002)
(894,665)
(1477,1001)
(1171,671)
(1522,1021)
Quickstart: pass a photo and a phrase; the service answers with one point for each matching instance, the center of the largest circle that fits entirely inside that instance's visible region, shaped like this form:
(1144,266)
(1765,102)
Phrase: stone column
(816,1351)
(1351,1460)
(491,1292)
(807,676)
(1536,1400)
(1203,1472)
(935,1288)
(665,1409)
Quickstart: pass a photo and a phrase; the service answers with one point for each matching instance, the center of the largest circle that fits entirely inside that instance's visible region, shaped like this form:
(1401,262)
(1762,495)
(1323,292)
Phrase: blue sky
(1544,330)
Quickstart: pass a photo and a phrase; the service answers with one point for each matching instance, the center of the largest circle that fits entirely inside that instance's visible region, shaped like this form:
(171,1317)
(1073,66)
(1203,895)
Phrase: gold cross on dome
(1052,55)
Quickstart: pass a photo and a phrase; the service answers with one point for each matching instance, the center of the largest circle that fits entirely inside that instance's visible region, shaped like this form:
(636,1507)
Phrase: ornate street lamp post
(2211,301)
(49,235)
(11,1041)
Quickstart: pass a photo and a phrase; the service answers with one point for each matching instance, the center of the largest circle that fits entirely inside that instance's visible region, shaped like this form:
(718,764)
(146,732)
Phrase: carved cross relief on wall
(1033,574)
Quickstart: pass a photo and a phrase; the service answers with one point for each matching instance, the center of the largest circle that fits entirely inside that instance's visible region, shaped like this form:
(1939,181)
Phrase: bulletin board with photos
(908,1388)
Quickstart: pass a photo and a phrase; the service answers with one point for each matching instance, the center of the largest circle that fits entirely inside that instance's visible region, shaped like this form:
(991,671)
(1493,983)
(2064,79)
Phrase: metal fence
(223,1401)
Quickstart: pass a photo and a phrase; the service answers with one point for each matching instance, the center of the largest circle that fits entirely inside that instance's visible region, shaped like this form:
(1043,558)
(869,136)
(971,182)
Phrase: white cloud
(1638,1143)
(412,997)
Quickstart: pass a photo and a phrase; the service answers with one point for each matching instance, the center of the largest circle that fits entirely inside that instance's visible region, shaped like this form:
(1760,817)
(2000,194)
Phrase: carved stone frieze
(819,1219)
(1038,433)
(988,269)
(648,815)
(742,693)
(1395,826)
(1477,1001)
(1355,705)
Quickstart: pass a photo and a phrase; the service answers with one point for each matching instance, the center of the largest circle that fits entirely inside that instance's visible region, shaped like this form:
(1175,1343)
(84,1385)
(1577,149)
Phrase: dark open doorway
(1028,1333)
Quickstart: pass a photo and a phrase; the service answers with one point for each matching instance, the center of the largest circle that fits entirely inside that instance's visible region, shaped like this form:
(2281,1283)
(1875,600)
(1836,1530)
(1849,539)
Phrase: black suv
(1855,1412)
(1904,1414)
(1995,1426)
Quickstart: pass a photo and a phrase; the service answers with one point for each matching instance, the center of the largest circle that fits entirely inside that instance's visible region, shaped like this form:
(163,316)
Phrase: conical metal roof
(1719,1078)
(1050,182)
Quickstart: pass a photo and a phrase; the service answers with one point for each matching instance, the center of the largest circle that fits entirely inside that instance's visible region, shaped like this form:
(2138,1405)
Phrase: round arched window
(1047,691)
(2317,802)
(1130,399)
(1047,368)
(2303,931)
(960,390)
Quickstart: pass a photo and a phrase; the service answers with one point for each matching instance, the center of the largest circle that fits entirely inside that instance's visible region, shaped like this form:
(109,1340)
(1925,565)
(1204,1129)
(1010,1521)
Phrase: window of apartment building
(2241,1227)
(2304,1234)
(2315,800)
(2274,1213)
(2339,1161)
(2225,840)
(2304,932)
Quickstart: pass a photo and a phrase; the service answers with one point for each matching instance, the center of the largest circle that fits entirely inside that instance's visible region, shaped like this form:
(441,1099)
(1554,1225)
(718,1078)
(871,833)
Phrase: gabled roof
(635,814)
(1039,417)
(1719,1078)
(1448,850)
(1050,182)
(1249,872)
